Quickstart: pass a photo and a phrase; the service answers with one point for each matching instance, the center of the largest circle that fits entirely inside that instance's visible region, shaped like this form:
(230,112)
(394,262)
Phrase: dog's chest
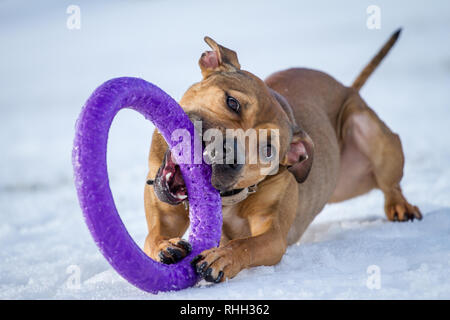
(234,226)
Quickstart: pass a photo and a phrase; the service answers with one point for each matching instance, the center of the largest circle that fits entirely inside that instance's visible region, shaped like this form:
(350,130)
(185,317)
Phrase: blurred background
(49,70)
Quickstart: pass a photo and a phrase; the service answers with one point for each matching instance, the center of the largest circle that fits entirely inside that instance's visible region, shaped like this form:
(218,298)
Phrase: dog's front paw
(216,265)
(173,250)
(403,211)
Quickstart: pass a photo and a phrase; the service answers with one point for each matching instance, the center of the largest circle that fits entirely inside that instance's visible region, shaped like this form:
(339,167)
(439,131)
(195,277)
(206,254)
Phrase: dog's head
(252,121)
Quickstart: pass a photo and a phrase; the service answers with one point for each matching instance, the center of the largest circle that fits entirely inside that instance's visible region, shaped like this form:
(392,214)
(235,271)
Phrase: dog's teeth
(181,196)
(168,175)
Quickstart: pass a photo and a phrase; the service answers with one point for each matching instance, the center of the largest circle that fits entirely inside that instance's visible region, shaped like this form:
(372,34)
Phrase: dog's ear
(299,158)
(220,59)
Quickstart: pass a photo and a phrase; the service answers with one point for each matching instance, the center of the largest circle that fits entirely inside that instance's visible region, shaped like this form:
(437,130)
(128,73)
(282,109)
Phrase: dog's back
(321,106)
(315,99)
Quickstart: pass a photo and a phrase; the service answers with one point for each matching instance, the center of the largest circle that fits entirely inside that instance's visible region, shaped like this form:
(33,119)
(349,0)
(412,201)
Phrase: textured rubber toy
(96,200)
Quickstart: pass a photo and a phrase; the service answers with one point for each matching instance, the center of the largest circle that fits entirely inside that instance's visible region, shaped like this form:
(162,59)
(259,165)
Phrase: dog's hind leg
(372,157)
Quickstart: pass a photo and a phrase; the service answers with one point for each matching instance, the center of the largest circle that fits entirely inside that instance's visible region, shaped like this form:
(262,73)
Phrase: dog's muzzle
(169,184)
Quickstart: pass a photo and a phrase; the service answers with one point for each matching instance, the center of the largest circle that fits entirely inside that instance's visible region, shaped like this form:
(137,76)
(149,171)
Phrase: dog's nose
(226,173)
(232,155)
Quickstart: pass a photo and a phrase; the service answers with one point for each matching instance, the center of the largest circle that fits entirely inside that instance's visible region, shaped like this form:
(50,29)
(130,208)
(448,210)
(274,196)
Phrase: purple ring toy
(96,200)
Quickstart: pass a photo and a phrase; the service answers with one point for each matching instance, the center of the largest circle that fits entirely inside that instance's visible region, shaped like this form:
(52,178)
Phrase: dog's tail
(373,64)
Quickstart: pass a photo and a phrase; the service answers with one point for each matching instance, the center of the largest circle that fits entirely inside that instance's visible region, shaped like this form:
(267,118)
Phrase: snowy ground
(48,72)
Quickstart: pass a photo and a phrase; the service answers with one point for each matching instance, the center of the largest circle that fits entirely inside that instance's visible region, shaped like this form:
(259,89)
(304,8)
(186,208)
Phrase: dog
(332,146)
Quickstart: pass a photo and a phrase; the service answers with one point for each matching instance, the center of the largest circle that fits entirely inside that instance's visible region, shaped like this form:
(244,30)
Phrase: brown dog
(332,147)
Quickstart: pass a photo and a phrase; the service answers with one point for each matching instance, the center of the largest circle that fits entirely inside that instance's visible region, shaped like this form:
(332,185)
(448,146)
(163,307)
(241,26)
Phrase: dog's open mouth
(169,183)
(170,186)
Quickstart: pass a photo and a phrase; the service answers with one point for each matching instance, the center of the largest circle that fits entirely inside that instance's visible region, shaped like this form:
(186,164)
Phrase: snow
(49,71)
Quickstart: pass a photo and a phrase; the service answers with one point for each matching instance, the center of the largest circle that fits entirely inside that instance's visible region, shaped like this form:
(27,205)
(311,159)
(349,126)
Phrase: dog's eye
(233,104)
(267,152)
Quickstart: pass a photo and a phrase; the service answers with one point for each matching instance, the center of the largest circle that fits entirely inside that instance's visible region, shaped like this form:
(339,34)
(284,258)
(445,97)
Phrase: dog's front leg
(166,226)
(270,215)
(218,264)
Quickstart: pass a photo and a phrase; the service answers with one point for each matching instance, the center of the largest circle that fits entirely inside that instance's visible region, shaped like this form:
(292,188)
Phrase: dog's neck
(235,196)
(284,105)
